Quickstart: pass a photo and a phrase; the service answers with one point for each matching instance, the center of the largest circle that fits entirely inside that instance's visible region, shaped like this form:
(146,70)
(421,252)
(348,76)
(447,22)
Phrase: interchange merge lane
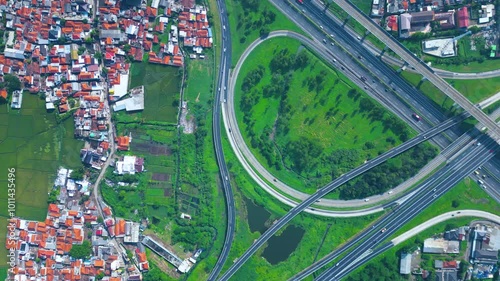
(331,186)
(223,73)
(436,186)
(421,67)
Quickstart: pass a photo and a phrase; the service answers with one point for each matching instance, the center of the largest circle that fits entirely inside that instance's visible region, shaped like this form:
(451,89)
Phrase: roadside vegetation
(250,19)
(309,124)
(304,251)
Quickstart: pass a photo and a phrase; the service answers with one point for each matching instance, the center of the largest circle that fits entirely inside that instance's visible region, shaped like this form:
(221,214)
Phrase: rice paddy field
(35,144)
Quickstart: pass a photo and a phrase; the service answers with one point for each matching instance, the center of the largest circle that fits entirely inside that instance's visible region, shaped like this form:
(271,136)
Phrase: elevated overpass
(421,67)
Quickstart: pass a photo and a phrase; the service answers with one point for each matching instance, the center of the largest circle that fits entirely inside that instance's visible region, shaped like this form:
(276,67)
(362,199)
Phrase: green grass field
(471,197)
(243,35)
(343,128)
(199,85)
(162,86)
(477,90)
(257,268)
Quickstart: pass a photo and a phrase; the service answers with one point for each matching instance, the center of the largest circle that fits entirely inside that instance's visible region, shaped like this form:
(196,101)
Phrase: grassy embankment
(258,268)
(365,6)
(33,142)
(247,23)
(474,90)
(327,115)
(470,196)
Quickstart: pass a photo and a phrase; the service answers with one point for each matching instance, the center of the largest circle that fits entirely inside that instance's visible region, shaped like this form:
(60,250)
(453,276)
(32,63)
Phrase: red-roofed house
(463,17)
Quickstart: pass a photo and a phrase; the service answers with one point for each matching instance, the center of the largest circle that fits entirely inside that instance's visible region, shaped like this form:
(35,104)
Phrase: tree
(11,83)
(54,193)
(81,251)
(98,55)
(77,174)
(455,203)
(126,48)
(81,50)
(99,275)
(264,31)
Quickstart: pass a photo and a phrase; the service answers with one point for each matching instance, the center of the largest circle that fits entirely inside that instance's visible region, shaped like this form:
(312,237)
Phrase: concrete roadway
(421,67)
(431,190)
(331,186)
(444,217)
(223,72)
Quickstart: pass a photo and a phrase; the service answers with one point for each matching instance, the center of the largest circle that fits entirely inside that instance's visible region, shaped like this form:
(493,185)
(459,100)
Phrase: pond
(257,216)
(280,247)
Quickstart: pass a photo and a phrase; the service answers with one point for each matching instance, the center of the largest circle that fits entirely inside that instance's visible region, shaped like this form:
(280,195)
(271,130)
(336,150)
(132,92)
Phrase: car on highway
(224,27)
(383,230)
(321,26)
(416,117)
(300,1)
(480,182)
(359,38)
(324,41)
(224,50)
(367,199)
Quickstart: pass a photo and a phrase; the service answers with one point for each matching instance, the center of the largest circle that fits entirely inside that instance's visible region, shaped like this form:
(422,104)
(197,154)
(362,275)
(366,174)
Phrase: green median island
(308,124)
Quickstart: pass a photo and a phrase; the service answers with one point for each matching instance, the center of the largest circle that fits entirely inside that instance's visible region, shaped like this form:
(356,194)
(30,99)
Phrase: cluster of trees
(304,154)
(281,65)
(81,251)
(384,269)
(388,174)
(253,78)
(254,19)
(284,61)
(390,122)
(11,83)
(193,236)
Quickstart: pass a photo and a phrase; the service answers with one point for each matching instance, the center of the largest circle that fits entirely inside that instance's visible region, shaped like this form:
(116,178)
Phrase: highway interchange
(398,85)
(250,163)
(435,186)
(421,67)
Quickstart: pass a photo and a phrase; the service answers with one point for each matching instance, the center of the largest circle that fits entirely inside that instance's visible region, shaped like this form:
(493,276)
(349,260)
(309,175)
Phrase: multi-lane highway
(434,187)
(223,72)
(421,67)
(336,183)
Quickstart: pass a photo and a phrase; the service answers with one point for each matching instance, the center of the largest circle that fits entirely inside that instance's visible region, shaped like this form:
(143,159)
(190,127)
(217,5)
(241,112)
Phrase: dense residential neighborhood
(77,57)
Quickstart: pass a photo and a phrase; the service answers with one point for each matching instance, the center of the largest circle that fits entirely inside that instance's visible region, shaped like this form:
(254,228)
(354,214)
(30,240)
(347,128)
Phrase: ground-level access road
(444,217)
